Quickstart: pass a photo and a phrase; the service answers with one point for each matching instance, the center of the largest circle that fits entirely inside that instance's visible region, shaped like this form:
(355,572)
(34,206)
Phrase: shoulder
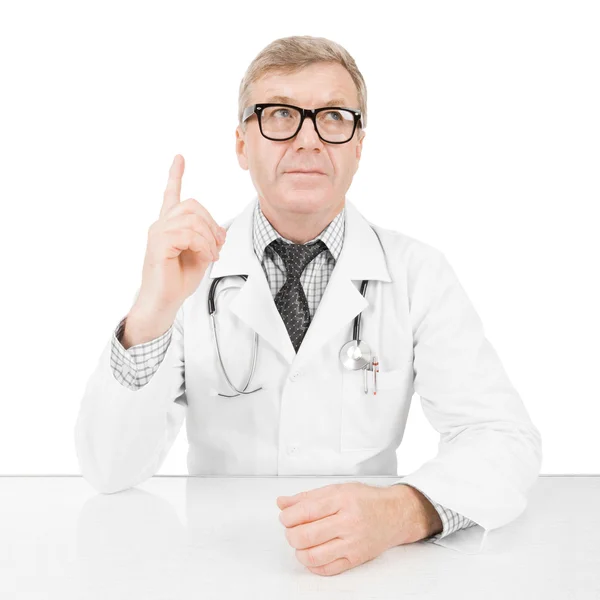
(406,253)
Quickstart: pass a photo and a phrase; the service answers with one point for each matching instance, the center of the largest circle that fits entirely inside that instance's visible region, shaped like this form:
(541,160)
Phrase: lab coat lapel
(253,304)
(361,258)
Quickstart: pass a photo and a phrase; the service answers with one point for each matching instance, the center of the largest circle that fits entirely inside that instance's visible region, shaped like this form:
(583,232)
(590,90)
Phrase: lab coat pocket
(374,421)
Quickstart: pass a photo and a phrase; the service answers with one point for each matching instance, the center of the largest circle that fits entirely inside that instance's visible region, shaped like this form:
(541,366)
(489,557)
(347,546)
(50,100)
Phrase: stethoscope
(354,355)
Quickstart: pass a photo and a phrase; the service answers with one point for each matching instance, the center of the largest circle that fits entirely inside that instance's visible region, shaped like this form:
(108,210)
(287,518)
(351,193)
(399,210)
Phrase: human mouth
(304,173)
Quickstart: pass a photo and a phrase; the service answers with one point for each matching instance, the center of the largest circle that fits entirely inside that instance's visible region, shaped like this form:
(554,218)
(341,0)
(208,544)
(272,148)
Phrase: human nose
(308,134)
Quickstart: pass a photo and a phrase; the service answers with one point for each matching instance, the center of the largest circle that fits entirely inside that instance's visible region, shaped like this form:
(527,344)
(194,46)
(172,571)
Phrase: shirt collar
(263,233)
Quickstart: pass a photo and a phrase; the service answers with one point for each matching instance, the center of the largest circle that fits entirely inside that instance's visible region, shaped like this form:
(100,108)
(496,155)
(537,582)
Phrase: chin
(302,200)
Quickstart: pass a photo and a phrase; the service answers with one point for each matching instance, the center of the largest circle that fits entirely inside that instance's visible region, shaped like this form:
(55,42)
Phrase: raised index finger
(172,194)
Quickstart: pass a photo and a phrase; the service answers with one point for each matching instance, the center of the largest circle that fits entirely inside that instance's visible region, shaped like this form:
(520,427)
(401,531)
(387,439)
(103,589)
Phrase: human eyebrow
(288,100)
(336,102)
(284,99)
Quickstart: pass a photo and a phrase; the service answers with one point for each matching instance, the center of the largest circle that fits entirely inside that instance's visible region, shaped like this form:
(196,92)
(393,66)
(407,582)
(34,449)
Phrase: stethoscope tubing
(212,310)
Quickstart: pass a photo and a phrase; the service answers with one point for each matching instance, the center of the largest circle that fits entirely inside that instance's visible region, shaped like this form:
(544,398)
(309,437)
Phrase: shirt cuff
(135,366)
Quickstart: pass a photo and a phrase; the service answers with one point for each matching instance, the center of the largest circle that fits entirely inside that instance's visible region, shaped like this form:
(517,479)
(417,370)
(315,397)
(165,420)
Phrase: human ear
(240,147)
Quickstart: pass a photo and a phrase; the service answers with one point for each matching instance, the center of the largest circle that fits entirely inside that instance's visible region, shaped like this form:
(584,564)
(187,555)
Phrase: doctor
(303,250)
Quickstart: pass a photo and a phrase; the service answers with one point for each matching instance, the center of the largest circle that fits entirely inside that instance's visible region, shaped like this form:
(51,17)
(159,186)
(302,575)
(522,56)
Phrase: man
(301,170)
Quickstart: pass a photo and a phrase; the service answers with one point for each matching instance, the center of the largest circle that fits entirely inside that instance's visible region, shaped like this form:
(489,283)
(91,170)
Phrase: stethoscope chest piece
(355,355)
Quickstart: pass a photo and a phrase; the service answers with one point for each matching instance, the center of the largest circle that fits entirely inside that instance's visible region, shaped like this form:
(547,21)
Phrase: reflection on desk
(220,537)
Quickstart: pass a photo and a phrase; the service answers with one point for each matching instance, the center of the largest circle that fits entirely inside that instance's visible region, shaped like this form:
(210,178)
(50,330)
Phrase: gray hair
(290,55)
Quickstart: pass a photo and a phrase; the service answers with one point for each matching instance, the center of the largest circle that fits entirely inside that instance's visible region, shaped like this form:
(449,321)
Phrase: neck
(299,227)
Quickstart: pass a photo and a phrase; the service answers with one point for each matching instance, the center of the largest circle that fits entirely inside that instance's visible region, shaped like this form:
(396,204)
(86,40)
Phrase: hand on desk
(340,526)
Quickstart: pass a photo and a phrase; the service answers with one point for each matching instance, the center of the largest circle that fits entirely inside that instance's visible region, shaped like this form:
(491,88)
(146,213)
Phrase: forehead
(319,84)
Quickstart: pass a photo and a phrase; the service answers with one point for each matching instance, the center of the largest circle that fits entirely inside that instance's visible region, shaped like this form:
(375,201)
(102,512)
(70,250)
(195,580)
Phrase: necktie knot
(297,256)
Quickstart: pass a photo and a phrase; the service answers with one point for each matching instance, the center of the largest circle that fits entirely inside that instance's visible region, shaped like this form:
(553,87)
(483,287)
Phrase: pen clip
(375,365)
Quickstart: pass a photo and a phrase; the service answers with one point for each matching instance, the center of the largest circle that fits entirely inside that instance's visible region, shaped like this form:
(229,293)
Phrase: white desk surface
(220,537)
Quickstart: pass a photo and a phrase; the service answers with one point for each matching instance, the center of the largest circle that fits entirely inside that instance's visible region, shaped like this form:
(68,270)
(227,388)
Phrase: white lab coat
(311,416)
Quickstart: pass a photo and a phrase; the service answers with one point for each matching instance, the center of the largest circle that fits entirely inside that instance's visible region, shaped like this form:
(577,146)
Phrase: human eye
(330,114)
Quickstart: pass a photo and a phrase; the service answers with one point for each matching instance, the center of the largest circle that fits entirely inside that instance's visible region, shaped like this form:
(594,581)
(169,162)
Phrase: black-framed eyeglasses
(280,122)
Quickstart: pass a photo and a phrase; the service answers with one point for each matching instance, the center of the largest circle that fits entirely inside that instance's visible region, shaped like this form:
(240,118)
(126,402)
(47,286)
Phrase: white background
(482,140)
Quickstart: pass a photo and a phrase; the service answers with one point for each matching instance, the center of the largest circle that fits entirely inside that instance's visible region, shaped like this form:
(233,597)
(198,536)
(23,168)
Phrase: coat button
(294,375)
(292,449)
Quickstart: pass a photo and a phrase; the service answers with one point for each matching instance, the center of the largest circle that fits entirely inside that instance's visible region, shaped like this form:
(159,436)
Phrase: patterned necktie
(291,300)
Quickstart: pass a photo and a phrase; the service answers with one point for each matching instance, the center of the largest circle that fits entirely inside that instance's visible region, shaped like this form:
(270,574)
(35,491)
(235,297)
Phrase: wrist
(418,516)
(430,520)
(143,327)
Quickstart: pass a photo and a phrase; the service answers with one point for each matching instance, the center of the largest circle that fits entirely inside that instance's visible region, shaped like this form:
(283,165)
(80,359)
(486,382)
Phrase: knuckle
(306,539)
(198,221)
(196,206)
(308,512)
(153,232)
(310,557)
(345,499)
(353,556)
(352,519)
(289,537)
